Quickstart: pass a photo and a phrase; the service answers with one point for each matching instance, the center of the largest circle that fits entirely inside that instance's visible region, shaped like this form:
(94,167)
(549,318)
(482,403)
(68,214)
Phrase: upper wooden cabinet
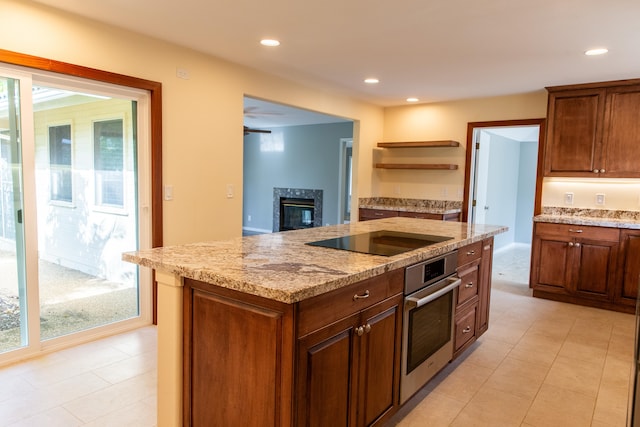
(593,130)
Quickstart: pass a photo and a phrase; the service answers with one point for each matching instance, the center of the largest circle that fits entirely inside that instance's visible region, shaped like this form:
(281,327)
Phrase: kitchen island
(234,317)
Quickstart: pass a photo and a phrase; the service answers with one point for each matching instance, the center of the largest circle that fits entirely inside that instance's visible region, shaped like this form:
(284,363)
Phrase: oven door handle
(413,302)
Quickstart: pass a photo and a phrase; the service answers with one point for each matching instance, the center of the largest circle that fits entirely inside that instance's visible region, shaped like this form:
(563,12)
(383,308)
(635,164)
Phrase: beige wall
(202,116)
(442,121)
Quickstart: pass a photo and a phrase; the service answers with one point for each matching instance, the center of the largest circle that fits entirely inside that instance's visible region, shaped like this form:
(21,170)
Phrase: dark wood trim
(155,91)
(537,209)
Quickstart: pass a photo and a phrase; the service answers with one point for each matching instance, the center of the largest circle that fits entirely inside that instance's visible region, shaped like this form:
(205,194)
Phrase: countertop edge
(584,220)
(294,296)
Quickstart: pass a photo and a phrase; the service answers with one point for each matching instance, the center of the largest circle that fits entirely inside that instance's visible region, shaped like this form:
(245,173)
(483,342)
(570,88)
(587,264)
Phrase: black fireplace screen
(296,213)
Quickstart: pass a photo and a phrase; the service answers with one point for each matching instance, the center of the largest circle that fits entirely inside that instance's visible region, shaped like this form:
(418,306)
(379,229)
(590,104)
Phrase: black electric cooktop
(386,243)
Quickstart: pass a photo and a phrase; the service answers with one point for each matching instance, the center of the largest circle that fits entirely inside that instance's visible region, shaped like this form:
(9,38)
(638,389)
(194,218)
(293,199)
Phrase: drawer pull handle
(363,296)
(466,330)
(468,285)
(471,253)
(571,230)
(378,213)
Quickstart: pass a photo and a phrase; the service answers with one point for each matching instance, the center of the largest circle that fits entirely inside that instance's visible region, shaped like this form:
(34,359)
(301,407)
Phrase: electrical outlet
(568,198)
(248,218)
(600,199)
(444,192)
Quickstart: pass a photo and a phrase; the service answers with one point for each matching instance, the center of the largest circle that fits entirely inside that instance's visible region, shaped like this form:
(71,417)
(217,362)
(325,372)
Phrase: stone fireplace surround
(297,193)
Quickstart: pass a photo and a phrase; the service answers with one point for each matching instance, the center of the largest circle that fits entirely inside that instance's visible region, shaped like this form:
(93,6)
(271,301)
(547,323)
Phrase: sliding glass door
(82,166)
(13,290)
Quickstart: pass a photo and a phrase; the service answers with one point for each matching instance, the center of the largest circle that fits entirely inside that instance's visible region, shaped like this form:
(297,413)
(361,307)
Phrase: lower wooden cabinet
(473,299)
(331,360)
(348,372)
(580,265)
(366,214)
(629,269)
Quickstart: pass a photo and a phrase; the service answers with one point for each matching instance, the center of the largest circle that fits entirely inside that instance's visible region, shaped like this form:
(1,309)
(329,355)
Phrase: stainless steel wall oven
(428,327)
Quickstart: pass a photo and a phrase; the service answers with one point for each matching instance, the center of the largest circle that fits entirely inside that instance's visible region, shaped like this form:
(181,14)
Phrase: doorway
(74,157)
(502,177)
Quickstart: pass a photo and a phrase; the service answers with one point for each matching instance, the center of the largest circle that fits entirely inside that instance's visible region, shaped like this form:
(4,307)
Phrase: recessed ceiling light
(598,51)
(412,99)
(371,81)
(269,42)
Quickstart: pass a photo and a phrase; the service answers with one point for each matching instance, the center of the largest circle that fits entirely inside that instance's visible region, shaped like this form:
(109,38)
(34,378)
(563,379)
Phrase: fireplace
(296,213)
(296,208)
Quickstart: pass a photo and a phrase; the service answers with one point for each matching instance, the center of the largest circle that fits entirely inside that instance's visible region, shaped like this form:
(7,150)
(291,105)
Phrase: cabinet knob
(577,245)
(570,243)
(363,296)
(466,330)
(367,328)
(359,331)
(596,171)
(602,170)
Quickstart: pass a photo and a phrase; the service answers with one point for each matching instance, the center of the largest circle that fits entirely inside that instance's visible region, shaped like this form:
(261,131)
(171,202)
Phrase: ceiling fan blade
(247,130)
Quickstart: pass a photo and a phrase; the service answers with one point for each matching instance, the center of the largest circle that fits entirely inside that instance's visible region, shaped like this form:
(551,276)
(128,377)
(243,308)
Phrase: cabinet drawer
(465,326)
(566,231)
(376,214)
(322,310)
(469,286)
(421,215)
(469,253)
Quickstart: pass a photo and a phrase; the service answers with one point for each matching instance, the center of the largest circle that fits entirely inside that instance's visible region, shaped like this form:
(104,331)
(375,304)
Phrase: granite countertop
(594,217)
(411,205)
(281,267)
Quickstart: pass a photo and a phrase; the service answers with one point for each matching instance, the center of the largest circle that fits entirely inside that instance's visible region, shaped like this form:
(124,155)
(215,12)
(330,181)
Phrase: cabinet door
(236,347)
(550,261)
(326,378)
(596,264)
(622,133)
(379,370)
(627,292)
(484,286)
(574,132)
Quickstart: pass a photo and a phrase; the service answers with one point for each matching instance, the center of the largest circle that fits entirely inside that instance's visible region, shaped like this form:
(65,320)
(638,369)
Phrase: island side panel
(170,339)
(238,358)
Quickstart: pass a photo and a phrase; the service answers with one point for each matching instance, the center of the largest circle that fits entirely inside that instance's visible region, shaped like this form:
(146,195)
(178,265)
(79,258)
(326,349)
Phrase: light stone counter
(593,217)
(440,207)
(281,267)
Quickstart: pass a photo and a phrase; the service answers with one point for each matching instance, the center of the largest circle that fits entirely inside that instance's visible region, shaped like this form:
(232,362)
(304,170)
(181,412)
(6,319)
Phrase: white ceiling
(435,50)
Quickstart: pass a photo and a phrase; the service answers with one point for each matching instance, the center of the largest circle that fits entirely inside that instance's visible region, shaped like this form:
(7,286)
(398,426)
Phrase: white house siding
(81,235)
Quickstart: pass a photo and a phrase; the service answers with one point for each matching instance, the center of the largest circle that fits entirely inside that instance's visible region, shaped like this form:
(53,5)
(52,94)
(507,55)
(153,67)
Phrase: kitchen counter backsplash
(411,205)
(598,217)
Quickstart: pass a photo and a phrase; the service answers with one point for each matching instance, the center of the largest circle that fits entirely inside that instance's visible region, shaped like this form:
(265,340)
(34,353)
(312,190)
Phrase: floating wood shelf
(418,144)
(416,166)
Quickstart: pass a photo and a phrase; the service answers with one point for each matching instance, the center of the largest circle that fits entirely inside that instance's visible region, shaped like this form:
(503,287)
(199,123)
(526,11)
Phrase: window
(60,163)
(108,160)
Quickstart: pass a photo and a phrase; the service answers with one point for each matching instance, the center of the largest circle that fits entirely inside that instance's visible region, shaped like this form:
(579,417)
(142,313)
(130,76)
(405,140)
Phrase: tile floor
(541,364)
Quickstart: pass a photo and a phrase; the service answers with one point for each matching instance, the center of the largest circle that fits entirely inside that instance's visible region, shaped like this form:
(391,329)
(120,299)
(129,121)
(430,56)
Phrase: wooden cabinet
(329,360)
(593,130)
(473,298)
(629,268)
(348,371)
(366,214)
(574,263)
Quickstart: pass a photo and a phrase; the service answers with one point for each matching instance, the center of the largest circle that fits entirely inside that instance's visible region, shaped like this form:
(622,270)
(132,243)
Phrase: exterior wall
(81,234)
